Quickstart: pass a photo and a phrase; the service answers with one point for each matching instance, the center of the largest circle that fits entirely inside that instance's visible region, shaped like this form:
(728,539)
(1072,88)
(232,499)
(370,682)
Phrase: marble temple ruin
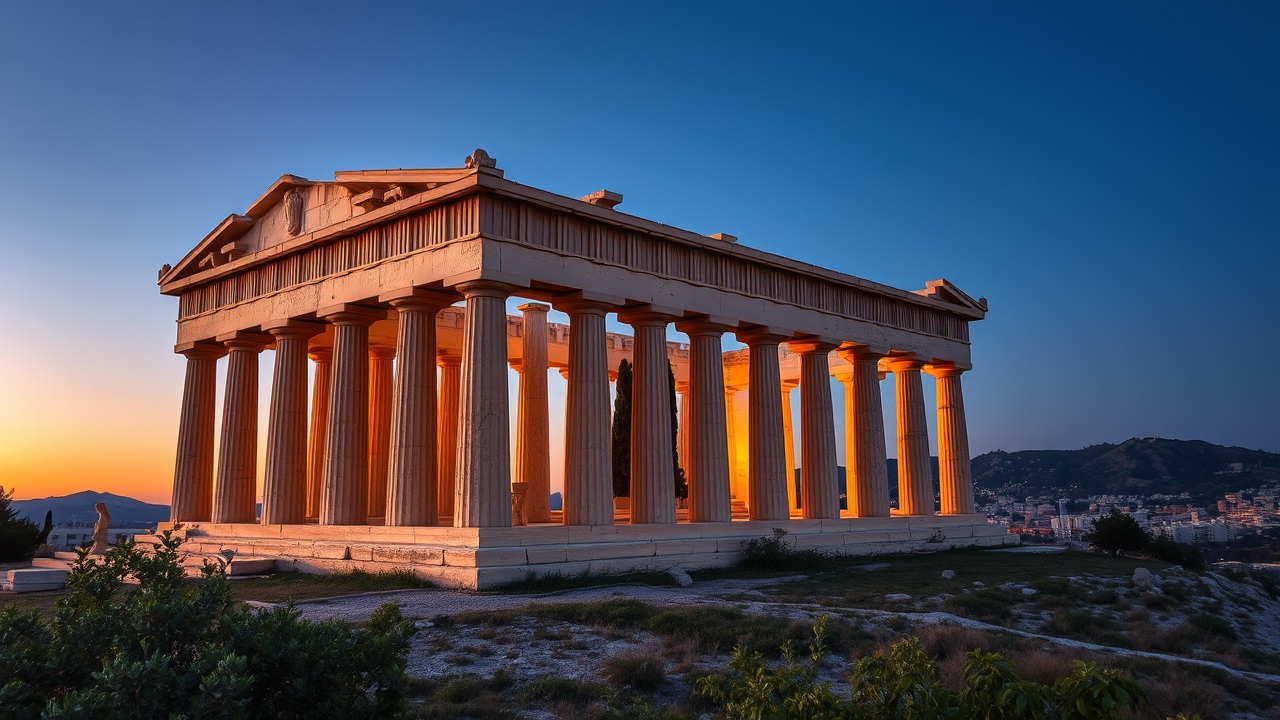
(393,451)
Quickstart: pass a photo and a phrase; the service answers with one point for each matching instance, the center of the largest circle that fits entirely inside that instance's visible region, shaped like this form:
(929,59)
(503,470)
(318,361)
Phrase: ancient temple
(394,284)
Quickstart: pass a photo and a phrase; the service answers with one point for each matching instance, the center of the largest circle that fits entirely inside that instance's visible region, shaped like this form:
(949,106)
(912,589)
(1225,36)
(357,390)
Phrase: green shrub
(168,647)
(18,536)
(1185,554)
(1117,533)
(774,552)
(637,668)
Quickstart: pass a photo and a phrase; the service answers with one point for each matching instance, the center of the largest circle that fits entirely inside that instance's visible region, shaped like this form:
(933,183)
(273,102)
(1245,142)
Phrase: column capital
(896,363)
(245,340)
(516,364)
(290,328)
(706,325)
(448,359)
(763,335)
(944,369)
(200,350)
(577,304)
(485,288)
(533,307)
(682,387)
(789,385)
(419,299)
(861,353)
(321,354)
(348,314)
(813,344)
(647,316)
(382,352)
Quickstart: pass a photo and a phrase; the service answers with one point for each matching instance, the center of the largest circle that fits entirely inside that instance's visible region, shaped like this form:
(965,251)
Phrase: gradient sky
(1106,174)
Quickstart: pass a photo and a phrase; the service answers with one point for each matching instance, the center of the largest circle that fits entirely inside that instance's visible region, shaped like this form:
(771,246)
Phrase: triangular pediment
(942,289)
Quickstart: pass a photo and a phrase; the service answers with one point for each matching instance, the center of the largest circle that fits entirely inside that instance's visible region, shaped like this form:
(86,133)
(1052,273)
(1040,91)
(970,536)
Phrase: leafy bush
(1165,548)
(18,536)
(1117,533)
(775,552)
(905,684)
(169,647)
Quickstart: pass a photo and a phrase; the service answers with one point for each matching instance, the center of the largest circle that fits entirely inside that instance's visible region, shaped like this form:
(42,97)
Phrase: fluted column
(867,478)
(235,494)
(319,430)
(766,476)
(707,462)
(447,434)
(731,436)
(284,492)
(682,428)
(789,443)
(381,398)
(820,491)
(483,494)
(915,477)
(588,456)
(652,465)
(533,457)
(193,469)
(955,481)
(346,464)
(412,496)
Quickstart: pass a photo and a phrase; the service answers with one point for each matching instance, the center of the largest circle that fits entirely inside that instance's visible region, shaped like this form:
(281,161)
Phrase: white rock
(1142,577)
(1028,591)
(681,577)
(897,597)
(948,574)
(979,583)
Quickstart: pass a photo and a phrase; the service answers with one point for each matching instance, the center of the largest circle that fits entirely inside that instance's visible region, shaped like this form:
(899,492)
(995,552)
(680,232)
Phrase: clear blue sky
(1106,174)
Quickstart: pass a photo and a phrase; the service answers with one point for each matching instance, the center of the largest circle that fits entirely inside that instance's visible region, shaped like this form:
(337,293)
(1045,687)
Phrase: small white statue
(100,545)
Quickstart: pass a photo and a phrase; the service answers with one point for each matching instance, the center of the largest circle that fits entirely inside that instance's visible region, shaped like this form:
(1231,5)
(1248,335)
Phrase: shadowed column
(915,478)
(682,428)
(868,476)
(652,465)
(789,444)
(381,397)
(533,459)
(955,482)
(193,469)
(447,434)
(319,430)
(234,499)
(284,492)
(766,480)
(588,457)
(820,492)
(412,496)
(483,494)
(346,464)
(707,464)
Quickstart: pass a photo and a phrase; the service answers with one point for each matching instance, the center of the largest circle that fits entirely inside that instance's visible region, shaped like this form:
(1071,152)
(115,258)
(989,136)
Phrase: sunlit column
(483,494)
(820,491)
(284,492)
(381,397)
(652,465)
(588,471)
(766,475)
(955,482)
(736,489)
(412,496)
(346,465)
(533,453)
(865,458)
(707,462)
(682,428)
(789,443)
(193,469)
(447,434)
(915,478)
(235,494)
(319,430)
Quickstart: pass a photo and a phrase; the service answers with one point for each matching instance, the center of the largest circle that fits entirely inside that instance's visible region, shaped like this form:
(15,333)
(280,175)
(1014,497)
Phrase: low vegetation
(19,537)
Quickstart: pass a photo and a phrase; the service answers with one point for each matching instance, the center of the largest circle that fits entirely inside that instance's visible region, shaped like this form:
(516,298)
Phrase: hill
(78,508)
(1145,466)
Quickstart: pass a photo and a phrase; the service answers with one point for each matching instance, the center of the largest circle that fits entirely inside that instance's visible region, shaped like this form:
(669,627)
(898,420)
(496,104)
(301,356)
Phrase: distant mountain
(1143,466)
(78,507)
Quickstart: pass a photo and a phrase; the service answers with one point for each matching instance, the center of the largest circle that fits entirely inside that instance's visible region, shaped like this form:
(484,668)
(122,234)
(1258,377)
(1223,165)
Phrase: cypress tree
(622,432)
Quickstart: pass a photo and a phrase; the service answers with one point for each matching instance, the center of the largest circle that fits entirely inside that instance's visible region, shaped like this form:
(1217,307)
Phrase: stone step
(35,579)
(251,566)
(66,555)
(54,563)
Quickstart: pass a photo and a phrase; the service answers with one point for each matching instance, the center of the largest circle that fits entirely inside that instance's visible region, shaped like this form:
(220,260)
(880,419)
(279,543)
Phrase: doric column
(346,463)
(682,428)
(235,493)
(533,456)
(653,480)
(447,434)
(731,436)
(955,482)
(789,443)
(483,494)
(588,456)
(284,491)
(766,475)
(867,478)
(412,496)
(820,491)
(915,478)
(707,462)
(193,469)
(381,397)
(323,358)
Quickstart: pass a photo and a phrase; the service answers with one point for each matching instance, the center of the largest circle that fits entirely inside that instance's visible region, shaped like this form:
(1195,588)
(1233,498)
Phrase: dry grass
(639,668)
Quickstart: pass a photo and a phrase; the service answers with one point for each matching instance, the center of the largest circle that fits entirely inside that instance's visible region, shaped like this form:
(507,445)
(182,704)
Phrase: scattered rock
(1122,591)
(1028,591)
(897,597)
(979,583)
(681,577)
(948,574)
(1142,577)
(872,566)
